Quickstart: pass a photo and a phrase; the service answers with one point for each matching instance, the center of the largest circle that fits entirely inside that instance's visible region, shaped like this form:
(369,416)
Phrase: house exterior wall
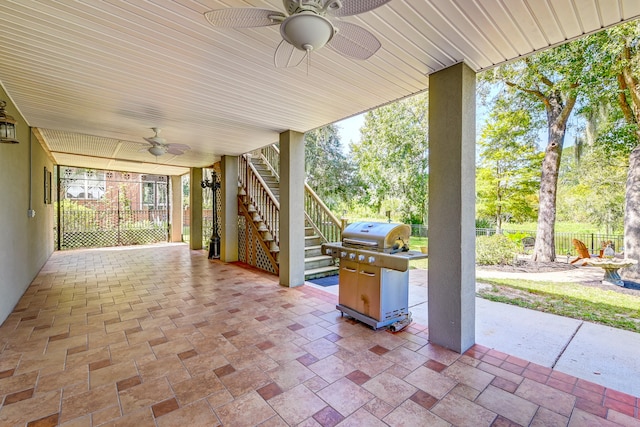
(126,186)
(25,243)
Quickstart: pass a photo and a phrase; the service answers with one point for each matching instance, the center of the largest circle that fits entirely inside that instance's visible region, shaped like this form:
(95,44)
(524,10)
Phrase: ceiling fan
(159,145)
(307,27)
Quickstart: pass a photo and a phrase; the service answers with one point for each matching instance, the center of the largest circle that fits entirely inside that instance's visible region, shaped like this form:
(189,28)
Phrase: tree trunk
(632,216)
(544,249)
(631,110)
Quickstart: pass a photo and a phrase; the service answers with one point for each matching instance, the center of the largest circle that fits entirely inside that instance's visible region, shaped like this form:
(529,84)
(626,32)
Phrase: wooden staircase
(316,264)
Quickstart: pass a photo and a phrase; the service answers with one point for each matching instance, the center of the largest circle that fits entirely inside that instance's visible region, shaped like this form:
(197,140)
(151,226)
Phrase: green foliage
(552,81)
(124,201)
(484,223)
(72,205)
(185,190)
(327,169)
(618,137)
(595,177)
(508,174)
(516,237)
(566,70)
(592,190)
(615,96)
(389,170)
(496,249)
(392,158)
(75,215)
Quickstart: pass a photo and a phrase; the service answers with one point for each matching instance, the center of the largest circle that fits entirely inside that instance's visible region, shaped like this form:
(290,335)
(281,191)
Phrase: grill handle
(360,242)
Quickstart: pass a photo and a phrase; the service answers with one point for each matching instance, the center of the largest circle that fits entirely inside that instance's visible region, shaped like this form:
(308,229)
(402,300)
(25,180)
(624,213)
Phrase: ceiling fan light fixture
(157,150)
(307,31)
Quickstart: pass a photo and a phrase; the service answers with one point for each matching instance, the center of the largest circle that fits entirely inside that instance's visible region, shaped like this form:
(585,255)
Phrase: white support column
(451,271)
(229,208)
(176,209)
(195,208)
(291,209)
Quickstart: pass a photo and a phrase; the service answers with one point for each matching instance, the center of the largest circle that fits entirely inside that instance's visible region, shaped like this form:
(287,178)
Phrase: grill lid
(377,236)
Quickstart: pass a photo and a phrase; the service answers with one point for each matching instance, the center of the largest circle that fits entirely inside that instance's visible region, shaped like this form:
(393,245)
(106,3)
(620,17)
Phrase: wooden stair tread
(321,270)
(317,258)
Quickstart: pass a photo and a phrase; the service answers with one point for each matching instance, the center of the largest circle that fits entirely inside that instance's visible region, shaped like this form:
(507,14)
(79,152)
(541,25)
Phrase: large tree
(507,177)
(328,170)
(621,48)
(549,81)
(392,157)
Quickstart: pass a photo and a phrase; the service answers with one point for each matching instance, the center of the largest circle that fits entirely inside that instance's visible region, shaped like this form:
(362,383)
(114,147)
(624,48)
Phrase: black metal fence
(563,241)
(98,208)
(418,230)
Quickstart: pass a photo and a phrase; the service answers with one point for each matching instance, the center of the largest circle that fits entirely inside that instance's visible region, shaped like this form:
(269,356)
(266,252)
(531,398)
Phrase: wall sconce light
(7,126)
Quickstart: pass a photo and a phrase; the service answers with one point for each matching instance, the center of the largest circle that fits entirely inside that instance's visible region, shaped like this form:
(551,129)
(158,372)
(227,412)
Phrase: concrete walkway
(601,354)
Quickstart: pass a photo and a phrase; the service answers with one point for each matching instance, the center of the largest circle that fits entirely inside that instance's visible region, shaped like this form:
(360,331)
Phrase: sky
(350,130)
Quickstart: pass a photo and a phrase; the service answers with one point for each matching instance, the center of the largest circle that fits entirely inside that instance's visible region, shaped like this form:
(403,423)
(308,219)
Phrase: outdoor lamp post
(214,242)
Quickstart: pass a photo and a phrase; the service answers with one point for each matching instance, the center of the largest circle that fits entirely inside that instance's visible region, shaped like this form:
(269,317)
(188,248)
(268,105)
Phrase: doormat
(325,281)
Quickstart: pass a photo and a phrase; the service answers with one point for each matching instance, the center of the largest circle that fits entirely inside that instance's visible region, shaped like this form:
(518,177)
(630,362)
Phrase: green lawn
(415,243)
(574,300)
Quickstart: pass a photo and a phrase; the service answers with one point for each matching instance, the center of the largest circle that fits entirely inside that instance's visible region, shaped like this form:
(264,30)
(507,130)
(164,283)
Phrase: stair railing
(261,197)
(271,157)
(324,222)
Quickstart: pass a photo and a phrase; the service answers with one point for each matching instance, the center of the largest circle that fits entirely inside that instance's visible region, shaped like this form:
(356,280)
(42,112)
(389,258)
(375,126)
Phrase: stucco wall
(25,243)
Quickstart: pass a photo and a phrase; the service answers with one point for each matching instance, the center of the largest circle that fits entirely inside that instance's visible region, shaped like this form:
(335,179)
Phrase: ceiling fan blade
(353,7)
(287,56)
(353,41)
(246,17)
(183,147)
(175,150)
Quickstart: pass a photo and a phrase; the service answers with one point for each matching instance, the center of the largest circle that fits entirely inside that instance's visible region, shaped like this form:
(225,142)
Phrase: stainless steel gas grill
(374,272)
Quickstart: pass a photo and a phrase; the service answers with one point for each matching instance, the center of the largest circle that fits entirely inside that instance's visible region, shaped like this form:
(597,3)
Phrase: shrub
(496,249)
(484,223)
(517,236)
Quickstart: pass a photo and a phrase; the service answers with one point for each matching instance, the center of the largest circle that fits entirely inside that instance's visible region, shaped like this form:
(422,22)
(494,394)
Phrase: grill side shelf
(397,261)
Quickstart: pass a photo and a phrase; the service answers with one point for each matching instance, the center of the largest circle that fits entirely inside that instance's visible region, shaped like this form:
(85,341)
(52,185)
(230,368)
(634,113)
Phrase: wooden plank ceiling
(95,76)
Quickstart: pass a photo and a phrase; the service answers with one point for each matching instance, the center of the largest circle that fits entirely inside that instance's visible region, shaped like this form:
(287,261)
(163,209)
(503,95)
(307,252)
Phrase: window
(162,195)
(149,194)
(154,191)
(83,184)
